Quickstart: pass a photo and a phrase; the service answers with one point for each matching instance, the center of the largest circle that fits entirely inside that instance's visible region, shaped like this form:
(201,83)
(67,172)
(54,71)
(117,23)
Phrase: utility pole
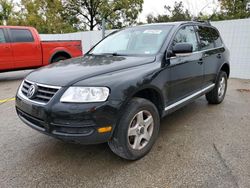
(248,6)
(103,27)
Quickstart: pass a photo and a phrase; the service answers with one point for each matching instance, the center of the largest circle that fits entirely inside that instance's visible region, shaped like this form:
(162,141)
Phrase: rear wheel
(217,95)
(58,58)
(137,130)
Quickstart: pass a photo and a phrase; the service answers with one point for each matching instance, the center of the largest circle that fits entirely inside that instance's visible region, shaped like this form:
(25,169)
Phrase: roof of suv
(207,23)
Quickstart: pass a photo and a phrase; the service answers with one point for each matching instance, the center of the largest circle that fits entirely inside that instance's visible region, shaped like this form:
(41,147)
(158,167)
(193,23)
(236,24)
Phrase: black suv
(119,91)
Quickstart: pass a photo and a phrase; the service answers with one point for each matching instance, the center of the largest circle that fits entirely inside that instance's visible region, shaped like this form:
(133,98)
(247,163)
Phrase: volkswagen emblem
(32,91)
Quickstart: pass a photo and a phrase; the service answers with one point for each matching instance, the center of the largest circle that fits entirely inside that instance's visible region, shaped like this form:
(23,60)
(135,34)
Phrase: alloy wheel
(222,87)
(140,130)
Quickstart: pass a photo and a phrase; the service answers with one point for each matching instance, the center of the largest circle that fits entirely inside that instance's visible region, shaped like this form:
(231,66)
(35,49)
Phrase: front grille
(43,94)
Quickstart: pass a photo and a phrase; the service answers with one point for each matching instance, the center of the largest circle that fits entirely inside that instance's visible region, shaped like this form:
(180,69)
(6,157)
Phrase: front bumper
(70,122)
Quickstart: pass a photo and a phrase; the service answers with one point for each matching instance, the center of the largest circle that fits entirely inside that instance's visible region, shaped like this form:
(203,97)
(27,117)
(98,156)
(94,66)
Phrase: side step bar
(189,97)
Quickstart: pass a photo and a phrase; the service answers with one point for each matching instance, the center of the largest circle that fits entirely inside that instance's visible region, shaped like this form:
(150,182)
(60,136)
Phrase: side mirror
(182,48)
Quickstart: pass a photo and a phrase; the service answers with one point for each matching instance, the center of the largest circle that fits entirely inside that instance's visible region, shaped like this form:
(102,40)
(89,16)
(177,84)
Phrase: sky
(156,7)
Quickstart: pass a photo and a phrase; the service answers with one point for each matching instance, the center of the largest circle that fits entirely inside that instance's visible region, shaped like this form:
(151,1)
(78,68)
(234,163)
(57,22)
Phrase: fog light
(104,129)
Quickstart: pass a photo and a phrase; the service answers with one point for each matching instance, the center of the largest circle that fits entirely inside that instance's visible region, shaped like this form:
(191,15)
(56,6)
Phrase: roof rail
(207,22)
(195,19)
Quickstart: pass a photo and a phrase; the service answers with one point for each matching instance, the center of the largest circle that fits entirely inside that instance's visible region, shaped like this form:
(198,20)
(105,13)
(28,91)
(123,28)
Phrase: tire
(217,95)
(132,127)
(58,58)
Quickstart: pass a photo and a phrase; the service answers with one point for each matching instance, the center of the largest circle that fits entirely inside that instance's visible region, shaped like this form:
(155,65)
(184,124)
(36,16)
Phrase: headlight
(85,94)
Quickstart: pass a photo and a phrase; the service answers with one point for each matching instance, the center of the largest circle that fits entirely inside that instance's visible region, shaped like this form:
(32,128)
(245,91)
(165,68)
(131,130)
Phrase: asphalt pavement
(200,145)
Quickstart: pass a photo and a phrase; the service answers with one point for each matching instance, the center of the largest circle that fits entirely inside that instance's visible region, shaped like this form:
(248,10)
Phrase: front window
(145,40)
(186,35)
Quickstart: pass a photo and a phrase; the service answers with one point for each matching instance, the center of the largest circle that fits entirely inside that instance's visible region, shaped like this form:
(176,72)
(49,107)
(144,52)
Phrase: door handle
(200,61)
(219,56)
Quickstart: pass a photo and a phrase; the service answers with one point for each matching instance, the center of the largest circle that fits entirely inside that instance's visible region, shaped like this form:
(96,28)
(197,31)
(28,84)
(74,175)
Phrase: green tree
(234,9)
(230,9)
(6,11)
(177,13)
(117,13)
(47,16)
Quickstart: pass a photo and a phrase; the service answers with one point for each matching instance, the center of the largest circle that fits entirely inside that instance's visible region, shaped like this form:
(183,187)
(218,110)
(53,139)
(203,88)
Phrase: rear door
(186,72)
(212,49)
(26,50)
(6,59)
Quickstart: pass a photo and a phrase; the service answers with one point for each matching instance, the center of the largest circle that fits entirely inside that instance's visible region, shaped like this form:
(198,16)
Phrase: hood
(73,70)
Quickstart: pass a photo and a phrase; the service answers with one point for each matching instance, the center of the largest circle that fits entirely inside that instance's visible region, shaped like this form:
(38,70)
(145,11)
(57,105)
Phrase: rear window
(2,37)
(209,38)
(21,35)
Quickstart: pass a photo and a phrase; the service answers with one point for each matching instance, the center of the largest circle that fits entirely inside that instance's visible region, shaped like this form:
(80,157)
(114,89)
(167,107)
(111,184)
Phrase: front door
(6,60)
(186,71)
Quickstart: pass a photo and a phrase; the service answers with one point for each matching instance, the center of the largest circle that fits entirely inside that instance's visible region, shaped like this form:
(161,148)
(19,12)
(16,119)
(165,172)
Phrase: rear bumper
(70,122)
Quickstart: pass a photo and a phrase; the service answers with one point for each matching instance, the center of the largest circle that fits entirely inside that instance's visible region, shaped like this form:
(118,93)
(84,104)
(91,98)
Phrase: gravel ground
(199,145)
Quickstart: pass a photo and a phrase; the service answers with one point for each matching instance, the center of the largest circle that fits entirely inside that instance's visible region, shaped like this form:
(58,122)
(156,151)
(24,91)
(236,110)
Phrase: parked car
(121,89)
(22,48)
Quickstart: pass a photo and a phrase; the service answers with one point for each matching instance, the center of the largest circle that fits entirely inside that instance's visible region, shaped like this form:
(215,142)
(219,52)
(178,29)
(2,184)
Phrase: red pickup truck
(21,48)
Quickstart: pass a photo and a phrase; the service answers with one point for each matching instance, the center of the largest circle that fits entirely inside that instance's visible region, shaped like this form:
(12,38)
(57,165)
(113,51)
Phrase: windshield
(145,40)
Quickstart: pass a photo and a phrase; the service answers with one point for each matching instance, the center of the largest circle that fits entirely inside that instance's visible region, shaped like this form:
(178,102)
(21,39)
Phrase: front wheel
(217,95)
(137,130)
